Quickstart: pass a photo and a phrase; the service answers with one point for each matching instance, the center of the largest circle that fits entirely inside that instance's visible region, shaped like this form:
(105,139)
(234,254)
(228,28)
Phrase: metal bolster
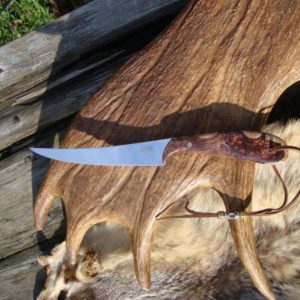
(231,215)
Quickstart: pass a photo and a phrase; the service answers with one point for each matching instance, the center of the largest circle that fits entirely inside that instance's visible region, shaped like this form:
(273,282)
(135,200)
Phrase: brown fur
(193,258)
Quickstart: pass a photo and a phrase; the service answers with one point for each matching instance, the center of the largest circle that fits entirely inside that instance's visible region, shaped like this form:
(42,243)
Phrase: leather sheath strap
(241,214)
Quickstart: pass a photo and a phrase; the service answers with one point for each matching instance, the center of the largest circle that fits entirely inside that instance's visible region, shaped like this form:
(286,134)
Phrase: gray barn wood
(21,175)
(37,107)
(19,122)
(43,53)
(21,277)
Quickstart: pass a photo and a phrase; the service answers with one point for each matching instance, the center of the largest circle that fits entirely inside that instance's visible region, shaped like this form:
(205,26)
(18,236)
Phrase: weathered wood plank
(18,122)
(95,60)
(39,55)
(21,277)
(69,89)
(21,175)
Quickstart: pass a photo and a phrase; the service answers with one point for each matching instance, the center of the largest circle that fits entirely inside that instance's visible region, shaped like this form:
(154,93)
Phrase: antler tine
(143,233)
(142,244)
(75,235)
(140,230)
(235,190)
(42,207)
(243,237)
(47,194)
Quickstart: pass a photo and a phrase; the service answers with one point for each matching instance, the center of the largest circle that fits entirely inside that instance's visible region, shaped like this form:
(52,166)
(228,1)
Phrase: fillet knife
(256,146)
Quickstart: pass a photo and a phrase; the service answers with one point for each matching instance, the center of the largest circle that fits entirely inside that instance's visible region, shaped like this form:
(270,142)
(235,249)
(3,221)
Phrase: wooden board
(21,175)
(19,122)
(36,108)
(43,53)
(21,277)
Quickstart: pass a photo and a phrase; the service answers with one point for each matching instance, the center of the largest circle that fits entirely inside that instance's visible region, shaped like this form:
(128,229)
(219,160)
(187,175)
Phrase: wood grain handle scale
(256,146)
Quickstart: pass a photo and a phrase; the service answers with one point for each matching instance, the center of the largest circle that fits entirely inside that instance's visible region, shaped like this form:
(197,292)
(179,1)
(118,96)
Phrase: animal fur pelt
(192,258)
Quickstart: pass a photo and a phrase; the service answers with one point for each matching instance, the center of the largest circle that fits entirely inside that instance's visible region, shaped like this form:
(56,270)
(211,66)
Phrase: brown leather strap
(236,215)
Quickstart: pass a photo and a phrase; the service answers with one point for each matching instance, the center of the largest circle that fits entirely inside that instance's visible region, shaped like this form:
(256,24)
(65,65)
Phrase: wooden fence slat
(18,275)
(17,122)
(21,277)
(21,175)
(64,94)
(38,55)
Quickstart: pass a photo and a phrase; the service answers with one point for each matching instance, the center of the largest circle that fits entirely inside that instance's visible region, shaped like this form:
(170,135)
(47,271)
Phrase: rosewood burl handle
(256,146)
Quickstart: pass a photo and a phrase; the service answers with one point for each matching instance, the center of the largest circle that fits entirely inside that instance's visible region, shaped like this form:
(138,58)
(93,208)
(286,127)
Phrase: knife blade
(138,154)
(256,146)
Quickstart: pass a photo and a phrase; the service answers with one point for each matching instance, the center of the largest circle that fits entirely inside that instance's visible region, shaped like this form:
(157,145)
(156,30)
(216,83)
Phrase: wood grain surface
(43,53)
(21,276)
(89,27)
(35,108)
(21,175)
(221,66)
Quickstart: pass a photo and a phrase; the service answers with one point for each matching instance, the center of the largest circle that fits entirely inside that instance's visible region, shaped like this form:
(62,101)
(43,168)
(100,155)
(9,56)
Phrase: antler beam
(215,69)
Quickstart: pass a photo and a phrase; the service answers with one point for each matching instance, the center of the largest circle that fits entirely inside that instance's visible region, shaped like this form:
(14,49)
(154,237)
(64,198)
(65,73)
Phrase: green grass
(22,17)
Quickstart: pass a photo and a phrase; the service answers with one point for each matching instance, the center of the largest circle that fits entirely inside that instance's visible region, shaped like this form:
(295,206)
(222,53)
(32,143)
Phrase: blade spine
(111,146)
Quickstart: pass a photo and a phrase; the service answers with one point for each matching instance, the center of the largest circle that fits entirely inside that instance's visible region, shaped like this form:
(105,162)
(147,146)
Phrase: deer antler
(215,69)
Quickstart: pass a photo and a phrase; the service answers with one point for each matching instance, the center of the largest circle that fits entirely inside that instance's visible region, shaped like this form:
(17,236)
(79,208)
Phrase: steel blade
(138,154)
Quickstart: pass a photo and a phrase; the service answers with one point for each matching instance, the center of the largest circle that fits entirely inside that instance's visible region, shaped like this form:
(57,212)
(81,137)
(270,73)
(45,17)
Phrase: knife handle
(250,145)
